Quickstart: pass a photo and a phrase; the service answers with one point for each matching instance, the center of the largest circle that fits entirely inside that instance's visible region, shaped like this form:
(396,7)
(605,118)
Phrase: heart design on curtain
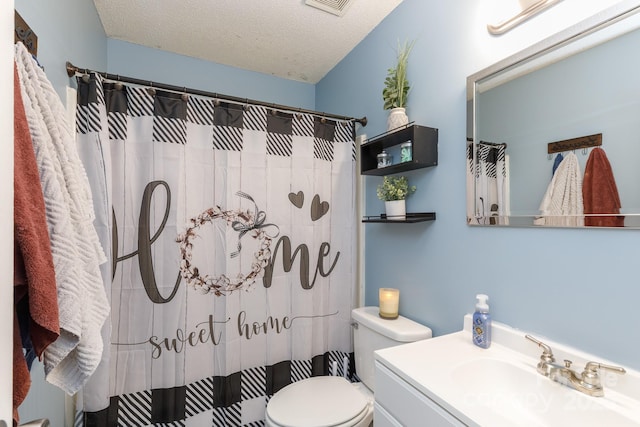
(297,199)
(318,209)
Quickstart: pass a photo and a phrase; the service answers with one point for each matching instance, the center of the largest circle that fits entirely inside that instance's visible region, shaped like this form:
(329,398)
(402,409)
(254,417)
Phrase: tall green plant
(396,85)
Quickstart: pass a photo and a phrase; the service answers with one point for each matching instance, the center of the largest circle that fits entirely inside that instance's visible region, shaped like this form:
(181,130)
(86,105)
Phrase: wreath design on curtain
(241,221)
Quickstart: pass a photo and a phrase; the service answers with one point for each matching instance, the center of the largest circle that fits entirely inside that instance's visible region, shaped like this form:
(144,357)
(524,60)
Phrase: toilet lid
(316,402)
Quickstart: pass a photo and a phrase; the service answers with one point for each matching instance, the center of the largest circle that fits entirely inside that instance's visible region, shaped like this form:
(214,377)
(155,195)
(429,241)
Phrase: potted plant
(396,88)
(393,191)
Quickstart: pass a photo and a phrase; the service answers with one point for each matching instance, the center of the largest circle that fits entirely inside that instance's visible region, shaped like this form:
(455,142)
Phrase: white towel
(76,250)
(562,205)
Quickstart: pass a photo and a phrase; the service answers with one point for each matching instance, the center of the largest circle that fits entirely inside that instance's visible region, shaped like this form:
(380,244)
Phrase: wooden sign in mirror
(554,131)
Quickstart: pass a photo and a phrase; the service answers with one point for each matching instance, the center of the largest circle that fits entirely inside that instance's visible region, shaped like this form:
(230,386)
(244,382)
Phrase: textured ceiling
(284,38)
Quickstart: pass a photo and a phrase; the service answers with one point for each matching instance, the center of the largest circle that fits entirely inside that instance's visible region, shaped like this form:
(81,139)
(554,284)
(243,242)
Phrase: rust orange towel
(600,193)
(34,275)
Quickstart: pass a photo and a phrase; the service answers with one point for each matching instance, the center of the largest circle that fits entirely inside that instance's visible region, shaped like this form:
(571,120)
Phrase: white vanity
(447,381)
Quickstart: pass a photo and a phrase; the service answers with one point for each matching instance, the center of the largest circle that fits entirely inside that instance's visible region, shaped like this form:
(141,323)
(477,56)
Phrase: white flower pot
(396,210)
(397,118)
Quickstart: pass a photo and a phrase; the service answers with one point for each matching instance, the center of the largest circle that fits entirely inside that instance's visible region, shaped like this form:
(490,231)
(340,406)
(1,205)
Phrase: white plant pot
(397,118)
(396,210)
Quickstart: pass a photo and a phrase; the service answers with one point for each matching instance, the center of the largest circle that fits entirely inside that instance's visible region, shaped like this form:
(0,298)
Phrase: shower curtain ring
(118,84)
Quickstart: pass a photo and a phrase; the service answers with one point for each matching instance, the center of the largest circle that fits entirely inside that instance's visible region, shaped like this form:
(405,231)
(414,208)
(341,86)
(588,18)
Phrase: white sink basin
(524,397)
(500,386)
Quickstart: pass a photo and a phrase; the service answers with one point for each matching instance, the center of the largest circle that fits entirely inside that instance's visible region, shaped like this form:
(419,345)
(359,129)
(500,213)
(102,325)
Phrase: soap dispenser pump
(481,328)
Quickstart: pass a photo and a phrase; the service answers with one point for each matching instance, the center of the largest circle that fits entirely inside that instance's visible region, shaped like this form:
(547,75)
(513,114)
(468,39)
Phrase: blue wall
(67,30)
(573,286)
(137,61)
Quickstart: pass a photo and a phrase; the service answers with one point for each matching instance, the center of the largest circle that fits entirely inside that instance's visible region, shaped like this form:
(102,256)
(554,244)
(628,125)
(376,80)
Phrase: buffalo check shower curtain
(231,236)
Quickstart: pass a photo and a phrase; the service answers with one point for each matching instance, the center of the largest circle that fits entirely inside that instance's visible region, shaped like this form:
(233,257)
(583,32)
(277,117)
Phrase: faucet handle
(545,364)
(547,354)
(590,373)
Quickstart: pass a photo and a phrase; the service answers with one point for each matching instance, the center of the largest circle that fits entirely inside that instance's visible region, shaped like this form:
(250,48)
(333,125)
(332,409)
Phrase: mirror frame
(590,32)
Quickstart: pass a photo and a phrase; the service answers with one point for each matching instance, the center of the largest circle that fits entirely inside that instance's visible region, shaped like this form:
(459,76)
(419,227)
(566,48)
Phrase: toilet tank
(371,333)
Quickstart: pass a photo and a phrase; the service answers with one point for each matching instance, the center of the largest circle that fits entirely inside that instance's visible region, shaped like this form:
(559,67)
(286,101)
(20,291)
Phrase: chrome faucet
(587,382)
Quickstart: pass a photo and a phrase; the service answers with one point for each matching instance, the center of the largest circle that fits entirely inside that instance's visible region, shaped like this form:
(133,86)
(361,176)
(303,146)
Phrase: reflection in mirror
(554,131)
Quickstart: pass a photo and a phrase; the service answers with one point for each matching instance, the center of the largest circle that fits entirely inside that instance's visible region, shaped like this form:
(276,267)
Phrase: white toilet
(329,401)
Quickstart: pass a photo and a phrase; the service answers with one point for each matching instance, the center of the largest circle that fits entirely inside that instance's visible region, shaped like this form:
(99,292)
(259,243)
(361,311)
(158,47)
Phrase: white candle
(389,301)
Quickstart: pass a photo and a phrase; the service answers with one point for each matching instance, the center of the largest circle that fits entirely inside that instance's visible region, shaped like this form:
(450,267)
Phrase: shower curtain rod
(73,70)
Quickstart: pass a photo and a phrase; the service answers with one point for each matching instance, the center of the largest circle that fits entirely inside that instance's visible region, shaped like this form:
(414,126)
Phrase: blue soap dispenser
(481,328)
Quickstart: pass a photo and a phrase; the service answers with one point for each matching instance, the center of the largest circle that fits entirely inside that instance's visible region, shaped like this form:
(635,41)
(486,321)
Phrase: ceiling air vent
(335,7)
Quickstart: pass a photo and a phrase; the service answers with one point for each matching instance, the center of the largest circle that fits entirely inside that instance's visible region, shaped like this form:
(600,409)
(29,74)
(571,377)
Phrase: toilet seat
(318,402)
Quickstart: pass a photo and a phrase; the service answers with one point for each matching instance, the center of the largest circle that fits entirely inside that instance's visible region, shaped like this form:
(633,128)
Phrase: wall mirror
(554,130)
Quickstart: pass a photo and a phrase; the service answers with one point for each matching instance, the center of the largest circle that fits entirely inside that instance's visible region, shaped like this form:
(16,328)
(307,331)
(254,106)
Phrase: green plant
(395,188)
(396,85)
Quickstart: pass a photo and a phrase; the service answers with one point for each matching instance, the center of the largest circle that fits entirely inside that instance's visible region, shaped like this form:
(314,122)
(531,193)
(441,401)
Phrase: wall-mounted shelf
(410,218)
(424,144)
(424,150)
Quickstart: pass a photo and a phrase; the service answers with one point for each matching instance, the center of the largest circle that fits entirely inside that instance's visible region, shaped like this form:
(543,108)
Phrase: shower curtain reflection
(232,240)
(487,184)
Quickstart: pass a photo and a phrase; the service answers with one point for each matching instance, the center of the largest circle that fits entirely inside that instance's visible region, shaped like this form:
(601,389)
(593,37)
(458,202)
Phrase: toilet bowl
(320,402)
(330,401)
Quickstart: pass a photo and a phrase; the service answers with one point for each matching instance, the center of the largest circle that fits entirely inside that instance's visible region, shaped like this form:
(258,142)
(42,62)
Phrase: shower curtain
(487,184)
(232,244)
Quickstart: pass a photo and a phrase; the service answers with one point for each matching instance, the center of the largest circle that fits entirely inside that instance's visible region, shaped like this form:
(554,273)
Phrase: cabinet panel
(407,405)
(382,418)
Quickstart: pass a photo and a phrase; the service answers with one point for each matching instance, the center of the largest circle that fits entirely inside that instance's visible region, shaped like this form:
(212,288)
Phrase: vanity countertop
(500,385)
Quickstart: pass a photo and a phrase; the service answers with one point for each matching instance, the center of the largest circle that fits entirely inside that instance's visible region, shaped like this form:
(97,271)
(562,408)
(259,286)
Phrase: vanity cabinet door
(405,405)
(382,418)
